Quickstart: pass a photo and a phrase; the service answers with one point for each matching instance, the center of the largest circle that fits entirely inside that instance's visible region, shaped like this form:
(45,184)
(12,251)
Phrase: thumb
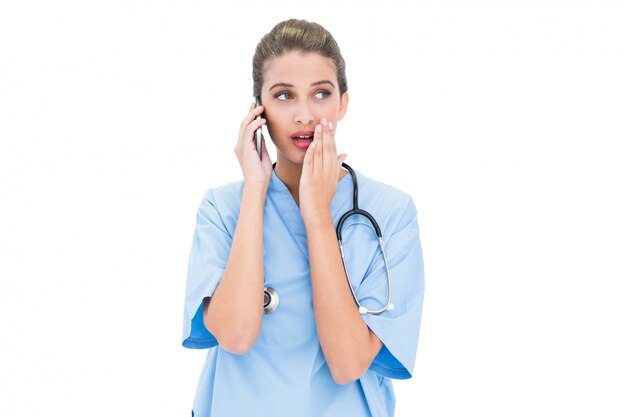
(308,158)
(265,152)
(341,158)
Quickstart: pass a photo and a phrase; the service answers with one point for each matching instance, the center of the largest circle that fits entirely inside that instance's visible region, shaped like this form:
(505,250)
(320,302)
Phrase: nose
(303,114)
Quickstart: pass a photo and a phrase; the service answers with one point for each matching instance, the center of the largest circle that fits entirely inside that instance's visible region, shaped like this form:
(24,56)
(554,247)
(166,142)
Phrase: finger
(319,148)
(341,158)
(329,150)
(309,156)
(252,114)
(265,152)
(254,125)
(329,147)
(333,142)
(243,126)
(325,134)
(248,134)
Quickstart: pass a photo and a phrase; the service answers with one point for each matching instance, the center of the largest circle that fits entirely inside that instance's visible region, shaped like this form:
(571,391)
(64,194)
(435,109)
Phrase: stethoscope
(271,299)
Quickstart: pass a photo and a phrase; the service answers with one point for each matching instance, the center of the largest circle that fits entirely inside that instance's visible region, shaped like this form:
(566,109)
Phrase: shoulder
(386,201)
(223,195)
(382,192)
(223,200)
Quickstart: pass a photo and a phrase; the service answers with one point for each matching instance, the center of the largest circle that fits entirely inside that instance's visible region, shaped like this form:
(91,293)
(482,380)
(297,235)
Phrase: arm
(234,313)
(349,345)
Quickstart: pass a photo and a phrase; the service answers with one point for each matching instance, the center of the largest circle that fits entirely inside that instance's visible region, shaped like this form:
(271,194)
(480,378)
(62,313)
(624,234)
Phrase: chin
(296,158)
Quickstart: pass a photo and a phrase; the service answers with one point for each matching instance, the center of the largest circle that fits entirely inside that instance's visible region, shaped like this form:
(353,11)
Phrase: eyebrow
(312,85)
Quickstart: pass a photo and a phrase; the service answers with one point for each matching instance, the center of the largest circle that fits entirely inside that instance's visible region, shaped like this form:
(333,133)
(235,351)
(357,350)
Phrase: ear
(343,105)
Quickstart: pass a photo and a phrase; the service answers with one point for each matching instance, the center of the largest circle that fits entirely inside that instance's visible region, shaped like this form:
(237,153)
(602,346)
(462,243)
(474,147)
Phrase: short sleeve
(207,261)
(398,329)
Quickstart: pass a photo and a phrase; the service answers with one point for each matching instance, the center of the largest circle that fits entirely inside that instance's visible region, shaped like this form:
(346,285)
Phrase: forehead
(299,69)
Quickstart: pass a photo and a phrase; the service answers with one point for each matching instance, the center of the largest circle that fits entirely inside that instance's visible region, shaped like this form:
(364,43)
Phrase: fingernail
(330,125)
(318,128)
(324,121)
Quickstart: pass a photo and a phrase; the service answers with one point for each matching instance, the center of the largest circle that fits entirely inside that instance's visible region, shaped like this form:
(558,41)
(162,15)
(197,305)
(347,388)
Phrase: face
(297,92)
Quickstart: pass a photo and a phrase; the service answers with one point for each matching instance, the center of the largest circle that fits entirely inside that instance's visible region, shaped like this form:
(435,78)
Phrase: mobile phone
(258,134)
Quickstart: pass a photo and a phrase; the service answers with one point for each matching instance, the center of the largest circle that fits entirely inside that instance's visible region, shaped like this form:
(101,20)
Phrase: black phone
(258,134)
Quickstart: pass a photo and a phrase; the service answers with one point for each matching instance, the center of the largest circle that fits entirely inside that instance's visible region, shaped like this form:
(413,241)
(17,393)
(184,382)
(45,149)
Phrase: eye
(283,96)
(322,94)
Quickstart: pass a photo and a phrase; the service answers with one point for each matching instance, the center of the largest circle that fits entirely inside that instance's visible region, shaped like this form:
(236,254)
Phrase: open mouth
(302,139)
(302,135)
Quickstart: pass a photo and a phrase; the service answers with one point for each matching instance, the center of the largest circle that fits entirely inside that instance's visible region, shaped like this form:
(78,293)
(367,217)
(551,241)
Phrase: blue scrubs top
(285,374)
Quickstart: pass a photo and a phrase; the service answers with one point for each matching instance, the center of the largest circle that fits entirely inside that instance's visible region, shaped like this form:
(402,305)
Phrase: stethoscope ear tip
(363,310)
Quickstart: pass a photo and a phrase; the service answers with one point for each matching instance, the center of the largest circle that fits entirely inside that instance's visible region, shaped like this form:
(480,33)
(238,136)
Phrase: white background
(504,120)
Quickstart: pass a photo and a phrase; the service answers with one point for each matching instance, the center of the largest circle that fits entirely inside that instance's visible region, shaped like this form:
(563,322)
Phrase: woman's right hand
(255,171)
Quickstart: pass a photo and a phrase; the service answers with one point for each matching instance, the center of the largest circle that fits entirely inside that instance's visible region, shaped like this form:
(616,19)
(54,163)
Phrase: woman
(317,353)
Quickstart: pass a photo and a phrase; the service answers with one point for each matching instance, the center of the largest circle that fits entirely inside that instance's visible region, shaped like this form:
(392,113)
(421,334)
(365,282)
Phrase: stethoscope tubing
(357,211)
(271,296)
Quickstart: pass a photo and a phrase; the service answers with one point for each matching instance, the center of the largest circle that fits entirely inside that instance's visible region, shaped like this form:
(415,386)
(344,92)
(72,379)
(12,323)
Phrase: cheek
(329,110)
(271,121)
(273,124)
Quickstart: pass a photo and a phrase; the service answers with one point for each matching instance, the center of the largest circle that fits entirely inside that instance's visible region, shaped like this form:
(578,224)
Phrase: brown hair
(297,35)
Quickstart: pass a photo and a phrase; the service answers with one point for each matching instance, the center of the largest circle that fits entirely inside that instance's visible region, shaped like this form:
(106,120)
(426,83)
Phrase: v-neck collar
(284,203)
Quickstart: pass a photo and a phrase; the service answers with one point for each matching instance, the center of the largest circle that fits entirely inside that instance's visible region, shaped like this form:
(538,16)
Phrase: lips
(302,139)
(303,135)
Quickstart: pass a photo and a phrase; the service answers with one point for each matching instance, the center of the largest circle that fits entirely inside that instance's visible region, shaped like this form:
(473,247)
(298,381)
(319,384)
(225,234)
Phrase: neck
(290,173)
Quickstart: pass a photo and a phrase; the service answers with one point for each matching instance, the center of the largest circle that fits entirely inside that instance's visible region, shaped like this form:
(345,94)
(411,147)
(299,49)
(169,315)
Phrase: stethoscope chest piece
(270,300)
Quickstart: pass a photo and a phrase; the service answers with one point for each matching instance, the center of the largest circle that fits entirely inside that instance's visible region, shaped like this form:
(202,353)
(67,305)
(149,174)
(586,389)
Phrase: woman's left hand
(320,174)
